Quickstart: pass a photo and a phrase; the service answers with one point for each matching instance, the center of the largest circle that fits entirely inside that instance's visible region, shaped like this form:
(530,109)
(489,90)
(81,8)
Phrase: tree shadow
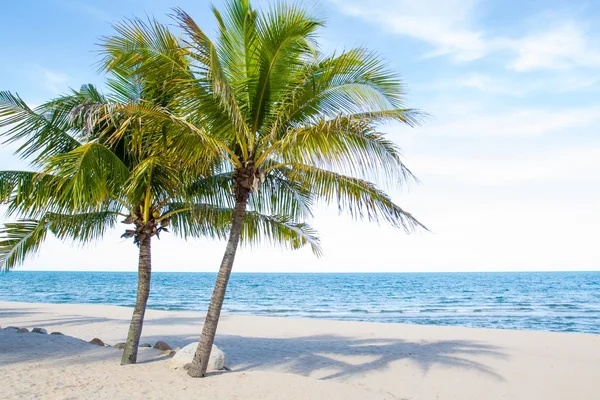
(349,356)
(34,347)
(68,321)
(16,348)
(340,357)
(327,356)
(9,313)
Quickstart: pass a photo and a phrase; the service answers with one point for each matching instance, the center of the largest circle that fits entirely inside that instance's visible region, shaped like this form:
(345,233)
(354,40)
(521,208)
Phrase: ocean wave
(513,301)
(567,306)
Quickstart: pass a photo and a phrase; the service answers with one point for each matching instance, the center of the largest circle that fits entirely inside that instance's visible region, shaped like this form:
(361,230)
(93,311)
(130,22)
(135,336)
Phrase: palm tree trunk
(200,361)
(137,320)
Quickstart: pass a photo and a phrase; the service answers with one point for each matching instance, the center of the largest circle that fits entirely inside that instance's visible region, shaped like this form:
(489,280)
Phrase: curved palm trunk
(200,361)
(137,320)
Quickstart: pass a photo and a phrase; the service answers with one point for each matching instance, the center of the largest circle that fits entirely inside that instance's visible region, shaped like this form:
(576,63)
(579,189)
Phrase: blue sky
(509,158)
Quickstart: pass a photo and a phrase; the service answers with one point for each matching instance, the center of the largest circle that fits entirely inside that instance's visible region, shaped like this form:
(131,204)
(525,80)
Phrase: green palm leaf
(19,241)
(205,220)
(357,197)
(42,132)
(87,176)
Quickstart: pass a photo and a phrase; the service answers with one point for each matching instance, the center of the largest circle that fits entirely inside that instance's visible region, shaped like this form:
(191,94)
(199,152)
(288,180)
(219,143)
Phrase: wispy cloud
(444,24)
(562,47)
(450,27)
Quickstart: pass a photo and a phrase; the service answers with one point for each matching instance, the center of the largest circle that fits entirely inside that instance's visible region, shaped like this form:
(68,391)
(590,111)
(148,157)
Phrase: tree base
(195,372)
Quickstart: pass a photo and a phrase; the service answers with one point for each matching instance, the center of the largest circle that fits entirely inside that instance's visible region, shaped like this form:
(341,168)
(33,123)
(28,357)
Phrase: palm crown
(273,105)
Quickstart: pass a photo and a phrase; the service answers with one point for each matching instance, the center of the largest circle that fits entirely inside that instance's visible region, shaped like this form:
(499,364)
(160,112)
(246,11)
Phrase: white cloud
(489,84)
(561,47)
(444,24)
(449,26)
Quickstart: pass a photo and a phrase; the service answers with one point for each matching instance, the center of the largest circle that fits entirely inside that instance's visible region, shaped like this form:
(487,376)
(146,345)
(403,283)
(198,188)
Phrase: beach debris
(39,330)
(97,342)
(216,362)
(145,345)
(162,346)
(22,330)
(57,333)
(120,345)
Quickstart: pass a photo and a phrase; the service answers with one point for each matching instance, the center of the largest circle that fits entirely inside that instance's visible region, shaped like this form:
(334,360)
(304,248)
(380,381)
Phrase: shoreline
(281,358)
(296,318)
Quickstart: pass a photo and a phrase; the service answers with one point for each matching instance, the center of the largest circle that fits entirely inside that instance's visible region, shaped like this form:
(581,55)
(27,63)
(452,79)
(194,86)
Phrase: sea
(547,301)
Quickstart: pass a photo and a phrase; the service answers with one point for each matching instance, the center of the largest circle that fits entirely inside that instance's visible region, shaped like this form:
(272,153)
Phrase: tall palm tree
(276,107)
(92,169)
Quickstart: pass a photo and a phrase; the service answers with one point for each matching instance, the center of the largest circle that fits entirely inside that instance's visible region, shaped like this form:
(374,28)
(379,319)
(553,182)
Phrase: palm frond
(81,228)
(19,241)
(279,231)
(285,38)
(25,191)
(359,198)
(212,81)
(42,132)
(351,84)
(205,220)
(346,144)
(22,239)
(87,176)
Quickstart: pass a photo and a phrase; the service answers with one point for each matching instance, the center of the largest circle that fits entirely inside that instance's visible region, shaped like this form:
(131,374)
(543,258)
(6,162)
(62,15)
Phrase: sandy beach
(284,358)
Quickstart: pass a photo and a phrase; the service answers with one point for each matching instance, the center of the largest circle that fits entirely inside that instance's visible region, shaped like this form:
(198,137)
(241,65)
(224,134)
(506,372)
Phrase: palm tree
(277,108)
(97,162)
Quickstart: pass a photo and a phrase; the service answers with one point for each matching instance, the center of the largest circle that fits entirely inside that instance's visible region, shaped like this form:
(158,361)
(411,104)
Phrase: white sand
(281,358)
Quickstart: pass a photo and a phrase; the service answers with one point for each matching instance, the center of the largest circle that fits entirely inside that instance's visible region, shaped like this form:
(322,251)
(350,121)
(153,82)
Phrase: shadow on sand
(340,357)
(348,357)
(327,356)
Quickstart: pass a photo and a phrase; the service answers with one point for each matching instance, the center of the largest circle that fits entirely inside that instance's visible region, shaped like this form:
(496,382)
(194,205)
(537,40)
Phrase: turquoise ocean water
(557,301)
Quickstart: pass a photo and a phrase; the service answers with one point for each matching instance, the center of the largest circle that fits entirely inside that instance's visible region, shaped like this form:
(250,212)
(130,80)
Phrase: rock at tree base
(97,342)
(22,330)
(145,345)
(162,346)
(39,330)
(120,345)
(185,356)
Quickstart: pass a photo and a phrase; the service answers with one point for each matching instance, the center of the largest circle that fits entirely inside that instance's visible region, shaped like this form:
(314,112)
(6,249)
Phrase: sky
(508,158)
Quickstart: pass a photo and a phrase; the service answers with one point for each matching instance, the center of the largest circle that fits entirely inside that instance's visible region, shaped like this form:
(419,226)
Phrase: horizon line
(319,272)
